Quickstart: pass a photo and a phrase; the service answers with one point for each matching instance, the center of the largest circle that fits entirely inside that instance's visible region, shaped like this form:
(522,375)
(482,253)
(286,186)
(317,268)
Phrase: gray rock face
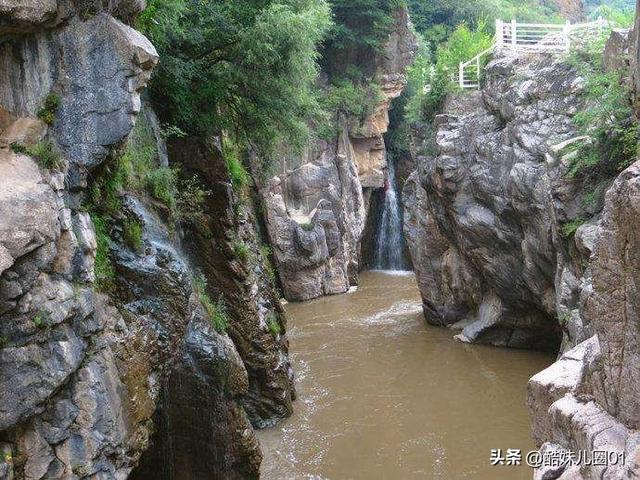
(484,221)
(316,207)
(83,384)
(483,217)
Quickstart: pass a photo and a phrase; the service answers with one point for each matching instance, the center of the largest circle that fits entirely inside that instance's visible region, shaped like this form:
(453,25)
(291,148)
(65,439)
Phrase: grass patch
(45,153)
(161,184)
(217,311)
(48,112)
(132,234)
(104,269)
(240,178)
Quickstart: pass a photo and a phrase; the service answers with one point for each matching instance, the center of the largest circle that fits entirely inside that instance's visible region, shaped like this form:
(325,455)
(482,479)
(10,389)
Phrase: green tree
(242,67)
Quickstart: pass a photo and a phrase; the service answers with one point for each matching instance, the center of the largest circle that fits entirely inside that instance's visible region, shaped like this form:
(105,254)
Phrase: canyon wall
(92,372)
(316,207)
(511,250)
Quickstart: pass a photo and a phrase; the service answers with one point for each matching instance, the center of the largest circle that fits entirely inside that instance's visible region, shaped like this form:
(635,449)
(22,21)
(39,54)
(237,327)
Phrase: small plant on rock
(48,112)
(217,311)
(273,325)
(241,250)
(132,233)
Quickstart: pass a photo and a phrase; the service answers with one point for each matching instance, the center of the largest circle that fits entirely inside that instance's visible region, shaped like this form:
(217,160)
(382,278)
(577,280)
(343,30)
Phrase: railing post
(514,34)
(567,35)
(499,34)
(478,70)
(461,75)
(600,25)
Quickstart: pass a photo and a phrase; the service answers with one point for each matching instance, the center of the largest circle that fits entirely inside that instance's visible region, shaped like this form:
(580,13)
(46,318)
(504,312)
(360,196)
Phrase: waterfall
(389,241)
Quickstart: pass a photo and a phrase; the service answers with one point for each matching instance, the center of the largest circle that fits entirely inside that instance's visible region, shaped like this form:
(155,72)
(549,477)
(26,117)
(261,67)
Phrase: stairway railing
(523,38)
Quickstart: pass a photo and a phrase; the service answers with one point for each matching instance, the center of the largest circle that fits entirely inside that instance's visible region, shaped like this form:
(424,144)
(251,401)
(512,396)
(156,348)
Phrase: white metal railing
(521,38)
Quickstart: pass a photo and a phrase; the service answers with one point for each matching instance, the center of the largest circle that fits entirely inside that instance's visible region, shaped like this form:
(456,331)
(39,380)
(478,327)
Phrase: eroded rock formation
(316,207)
(91,376)
(486,220)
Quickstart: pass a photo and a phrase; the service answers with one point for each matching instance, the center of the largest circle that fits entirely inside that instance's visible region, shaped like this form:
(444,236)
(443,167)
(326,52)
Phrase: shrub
(265,253)
(190,198)
(240,178)
(48,112)
(307,226)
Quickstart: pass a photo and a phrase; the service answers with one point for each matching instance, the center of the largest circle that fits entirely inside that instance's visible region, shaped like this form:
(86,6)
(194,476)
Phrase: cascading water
(388,253)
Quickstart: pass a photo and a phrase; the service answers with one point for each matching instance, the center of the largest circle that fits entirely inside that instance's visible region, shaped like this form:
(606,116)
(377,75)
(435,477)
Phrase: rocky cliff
(316,207)
(487,219)
(107,341)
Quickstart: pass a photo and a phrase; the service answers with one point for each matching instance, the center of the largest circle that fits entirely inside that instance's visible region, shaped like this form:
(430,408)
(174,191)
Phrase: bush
(190,199)
(307,226)
(265,253)
(41,319)
(48,112)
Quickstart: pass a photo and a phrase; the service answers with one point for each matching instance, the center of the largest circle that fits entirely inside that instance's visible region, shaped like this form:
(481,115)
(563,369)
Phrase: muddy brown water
(382,395)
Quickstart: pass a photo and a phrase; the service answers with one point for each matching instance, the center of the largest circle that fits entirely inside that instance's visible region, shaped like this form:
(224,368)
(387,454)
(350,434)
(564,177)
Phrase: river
(383,395)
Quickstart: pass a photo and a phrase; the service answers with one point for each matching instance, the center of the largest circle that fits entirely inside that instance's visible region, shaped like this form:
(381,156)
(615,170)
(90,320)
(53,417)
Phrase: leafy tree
(246,68)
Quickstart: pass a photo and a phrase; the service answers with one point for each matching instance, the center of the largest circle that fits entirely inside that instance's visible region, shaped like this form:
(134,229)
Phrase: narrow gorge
(275,240)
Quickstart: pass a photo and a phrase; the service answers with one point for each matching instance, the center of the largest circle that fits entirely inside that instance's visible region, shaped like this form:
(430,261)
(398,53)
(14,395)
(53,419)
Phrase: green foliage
(240,178)
(45,153)
(607,117)
(132,234)
(104,269)
(190,201)
(352,98)
(41,319)
(430,74)
(217,311)
(569,229)
(240,250)
(161,184)
(3,343)
(364,23)
(237,66)
(48,112)
(437,19)
(620,15)
(273,325)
